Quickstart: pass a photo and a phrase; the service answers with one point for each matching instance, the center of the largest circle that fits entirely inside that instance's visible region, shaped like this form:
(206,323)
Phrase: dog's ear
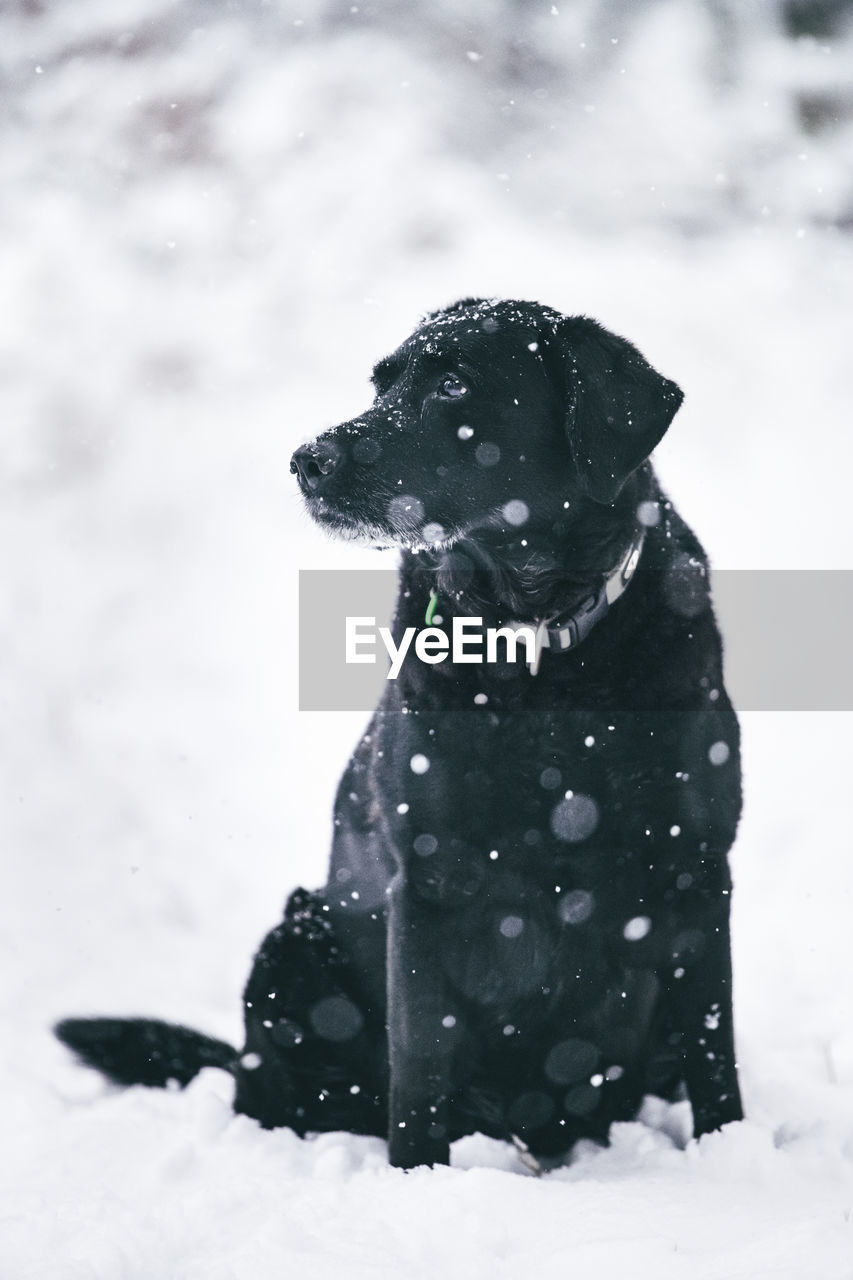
(618,406)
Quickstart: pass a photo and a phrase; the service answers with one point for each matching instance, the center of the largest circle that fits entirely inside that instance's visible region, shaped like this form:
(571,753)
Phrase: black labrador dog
(526,923)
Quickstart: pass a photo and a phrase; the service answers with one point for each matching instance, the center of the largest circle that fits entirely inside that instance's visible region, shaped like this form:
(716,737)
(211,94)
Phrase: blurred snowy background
(214,216)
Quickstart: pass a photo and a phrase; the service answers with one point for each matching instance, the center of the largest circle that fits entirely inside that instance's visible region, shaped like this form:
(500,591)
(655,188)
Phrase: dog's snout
(313,464)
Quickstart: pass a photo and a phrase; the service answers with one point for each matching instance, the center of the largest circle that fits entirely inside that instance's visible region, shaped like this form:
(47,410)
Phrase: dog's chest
(543,796)
(515,829)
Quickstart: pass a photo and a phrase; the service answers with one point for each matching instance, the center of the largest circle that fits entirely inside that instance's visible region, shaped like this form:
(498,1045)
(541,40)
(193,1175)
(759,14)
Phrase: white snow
(214,221)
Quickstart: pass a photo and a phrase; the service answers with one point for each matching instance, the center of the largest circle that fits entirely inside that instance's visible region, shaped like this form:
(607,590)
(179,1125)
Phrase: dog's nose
(313,463)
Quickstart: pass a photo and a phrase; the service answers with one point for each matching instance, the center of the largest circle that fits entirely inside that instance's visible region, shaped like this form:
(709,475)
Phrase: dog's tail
(142,1050)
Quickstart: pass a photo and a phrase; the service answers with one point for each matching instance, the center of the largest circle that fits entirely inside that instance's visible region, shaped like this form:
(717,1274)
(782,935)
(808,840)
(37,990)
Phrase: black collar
(565,631)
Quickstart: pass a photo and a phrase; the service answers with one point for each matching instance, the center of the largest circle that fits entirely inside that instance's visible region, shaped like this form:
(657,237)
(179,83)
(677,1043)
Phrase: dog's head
(492,415)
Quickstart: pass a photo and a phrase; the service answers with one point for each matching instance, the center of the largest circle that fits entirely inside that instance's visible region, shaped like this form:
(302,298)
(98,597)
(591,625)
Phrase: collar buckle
(561,634)
(571,630)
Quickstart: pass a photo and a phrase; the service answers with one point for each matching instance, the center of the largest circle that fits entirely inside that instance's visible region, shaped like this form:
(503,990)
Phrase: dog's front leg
(700,995)
(420,1030)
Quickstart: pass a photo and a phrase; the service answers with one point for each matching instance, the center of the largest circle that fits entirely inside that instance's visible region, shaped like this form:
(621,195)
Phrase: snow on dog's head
(493,415)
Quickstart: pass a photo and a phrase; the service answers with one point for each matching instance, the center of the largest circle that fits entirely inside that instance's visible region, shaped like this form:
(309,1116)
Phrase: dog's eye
(452,387)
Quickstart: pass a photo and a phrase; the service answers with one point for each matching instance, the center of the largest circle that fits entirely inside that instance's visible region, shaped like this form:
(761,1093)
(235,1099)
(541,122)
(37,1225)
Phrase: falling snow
(576,906)
(575,818)
(648,514)
(511,926)
(516,512)
(637,928)
(488,454)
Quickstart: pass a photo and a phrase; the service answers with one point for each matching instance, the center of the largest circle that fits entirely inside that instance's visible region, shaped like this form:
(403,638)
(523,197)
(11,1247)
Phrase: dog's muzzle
(313,464)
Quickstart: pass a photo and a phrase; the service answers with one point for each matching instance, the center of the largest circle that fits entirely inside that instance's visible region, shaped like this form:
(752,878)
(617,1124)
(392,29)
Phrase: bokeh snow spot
(424,845)
(577,906)
(571,1060)
(516,512)
(336,1018)
(575,818)
(637,928)
(487,454)
(648,514)
(511,926)
(405,511)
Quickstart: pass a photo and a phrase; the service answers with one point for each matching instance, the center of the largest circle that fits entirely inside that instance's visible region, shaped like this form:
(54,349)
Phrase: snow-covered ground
(213,220)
